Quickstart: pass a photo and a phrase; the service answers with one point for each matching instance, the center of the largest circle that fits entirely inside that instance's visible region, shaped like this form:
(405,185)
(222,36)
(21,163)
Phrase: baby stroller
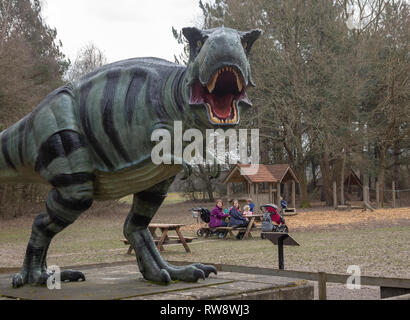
(267,226)
(202,214)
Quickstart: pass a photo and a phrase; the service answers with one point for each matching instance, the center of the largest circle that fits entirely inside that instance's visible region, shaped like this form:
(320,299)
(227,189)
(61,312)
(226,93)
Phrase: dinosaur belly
(115,185)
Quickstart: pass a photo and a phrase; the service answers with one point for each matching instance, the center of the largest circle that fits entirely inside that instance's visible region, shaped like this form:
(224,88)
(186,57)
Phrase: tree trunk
(342,180)
(326,179)
(304,198)
(380,174)
(210,191)
(396,165)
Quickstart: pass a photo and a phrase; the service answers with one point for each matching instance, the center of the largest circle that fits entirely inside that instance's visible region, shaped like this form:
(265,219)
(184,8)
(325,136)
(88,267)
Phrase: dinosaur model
(91,140)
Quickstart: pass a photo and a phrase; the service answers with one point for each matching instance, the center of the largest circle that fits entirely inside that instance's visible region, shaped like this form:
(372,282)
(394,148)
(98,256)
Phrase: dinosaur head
(219,73)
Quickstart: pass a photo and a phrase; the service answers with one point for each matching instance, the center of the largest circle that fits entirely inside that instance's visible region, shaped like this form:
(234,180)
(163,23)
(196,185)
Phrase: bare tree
(332,82)
(88,59)
(31,66)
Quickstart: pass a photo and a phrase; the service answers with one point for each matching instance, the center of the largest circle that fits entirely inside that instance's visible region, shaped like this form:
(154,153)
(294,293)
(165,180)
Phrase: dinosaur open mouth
(221,95)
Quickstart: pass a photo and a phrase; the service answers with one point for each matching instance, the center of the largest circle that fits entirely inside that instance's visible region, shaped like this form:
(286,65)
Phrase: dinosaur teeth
(212,81)
(211,84)
(238,81)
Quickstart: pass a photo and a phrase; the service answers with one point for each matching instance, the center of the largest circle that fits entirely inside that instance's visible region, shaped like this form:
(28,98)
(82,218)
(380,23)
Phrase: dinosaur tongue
(221,104)
(223,94)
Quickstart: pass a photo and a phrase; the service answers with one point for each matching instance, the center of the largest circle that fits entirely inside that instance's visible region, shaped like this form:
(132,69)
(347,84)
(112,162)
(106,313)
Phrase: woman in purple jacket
(217,217)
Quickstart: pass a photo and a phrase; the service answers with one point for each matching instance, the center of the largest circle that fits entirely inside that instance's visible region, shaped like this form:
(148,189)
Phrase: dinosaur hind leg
(72,195)
(152,266)
(62,209)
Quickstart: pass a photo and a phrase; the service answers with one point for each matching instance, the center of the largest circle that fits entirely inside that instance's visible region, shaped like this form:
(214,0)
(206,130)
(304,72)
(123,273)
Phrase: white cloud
(123,28)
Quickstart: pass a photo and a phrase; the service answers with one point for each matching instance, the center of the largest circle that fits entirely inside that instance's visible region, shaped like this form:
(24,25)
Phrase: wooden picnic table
(252,220)
(163,238)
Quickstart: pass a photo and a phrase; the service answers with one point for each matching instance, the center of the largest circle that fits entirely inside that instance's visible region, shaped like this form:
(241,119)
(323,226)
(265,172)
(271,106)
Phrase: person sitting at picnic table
(251,205)
(247,211)
(237,220)
(217,217)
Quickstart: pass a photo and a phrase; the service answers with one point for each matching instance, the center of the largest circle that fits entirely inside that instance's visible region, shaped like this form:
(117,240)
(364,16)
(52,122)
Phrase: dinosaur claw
(215,172)
(17,281)
(165,277)
(199,274)
(206,269)
(187,170)
(72,276)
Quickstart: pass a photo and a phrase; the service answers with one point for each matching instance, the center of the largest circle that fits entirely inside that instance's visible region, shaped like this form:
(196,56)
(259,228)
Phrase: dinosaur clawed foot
(154,268)
(190,273)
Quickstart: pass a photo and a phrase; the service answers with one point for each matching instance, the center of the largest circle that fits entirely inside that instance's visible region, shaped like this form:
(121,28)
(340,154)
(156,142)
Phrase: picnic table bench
(230,230)
(164,238)
(227,229)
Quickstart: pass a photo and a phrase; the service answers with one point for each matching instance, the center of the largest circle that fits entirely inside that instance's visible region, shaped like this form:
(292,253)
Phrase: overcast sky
(122,29)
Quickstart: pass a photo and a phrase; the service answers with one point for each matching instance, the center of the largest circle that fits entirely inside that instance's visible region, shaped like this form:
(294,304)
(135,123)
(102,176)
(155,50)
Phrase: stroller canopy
(266,207)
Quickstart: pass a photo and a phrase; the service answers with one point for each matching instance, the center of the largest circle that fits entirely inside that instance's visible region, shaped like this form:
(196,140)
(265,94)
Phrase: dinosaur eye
(199,44)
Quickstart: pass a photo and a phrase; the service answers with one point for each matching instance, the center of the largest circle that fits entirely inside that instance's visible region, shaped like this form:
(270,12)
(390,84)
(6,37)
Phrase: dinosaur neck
(180,99)
(177,101)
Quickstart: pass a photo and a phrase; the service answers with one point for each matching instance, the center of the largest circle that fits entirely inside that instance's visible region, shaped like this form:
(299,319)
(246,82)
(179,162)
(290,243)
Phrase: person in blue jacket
(251,205)
(236,219)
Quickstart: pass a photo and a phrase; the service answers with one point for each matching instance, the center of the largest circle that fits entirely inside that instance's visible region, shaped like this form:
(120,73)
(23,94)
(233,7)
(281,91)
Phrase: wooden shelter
(266,184)
(352,188)
(351,185)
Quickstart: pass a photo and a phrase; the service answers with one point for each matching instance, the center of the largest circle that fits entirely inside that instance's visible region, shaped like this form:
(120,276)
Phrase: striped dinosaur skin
(91,140)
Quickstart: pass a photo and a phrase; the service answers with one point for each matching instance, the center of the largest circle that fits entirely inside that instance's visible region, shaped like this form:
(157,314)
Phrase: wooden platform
(290,212)
(349,207)
(122,280)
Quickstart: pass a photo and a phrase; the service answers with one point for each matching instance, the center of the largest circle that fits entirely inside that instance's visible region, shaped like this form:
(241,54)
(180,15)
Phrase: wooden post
(342,194)
(278,193)
(270,192)
(366,196)
(377,195)
(335,195)
(322,285)
(280,253)
(286,193)
(256,195)
(293,193)
(228,191)
(393,189)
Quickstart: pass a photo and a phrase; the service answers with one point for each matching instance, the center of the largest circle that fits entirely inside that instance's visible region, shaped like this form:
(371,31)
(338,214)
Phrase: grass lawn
(380,249)
(172,198)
